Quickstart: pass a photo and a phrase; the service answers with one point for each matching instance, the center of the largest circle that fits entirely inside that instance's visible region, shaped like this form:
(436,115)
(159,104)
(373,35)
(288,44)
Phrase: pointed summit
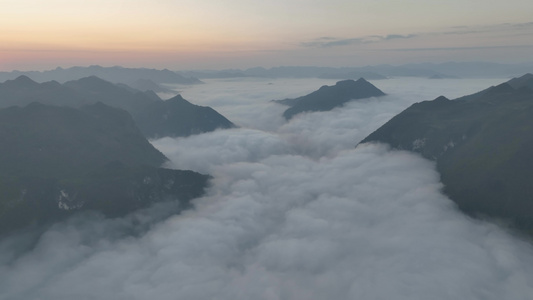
(328,97)
(441,99)
(90,82)
(22,81)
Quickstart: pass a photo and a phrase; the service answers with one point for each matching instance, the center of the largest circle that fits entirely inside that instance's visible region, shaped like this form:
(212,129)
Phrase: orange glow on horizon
(78,32)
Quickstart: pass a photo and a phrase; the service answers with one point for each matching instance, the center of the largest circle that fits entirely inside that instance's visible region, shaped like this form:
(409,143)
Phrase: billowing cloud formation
(283,221)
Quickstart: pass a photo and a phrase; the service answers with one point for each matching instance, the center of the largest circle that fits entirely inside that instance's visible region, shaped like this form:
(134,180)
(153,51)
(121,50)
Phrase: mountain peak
(351,82)
(91,82)
(23,81)
(177,98)
(345,82)
(93,79)
(328,97)
(441,98)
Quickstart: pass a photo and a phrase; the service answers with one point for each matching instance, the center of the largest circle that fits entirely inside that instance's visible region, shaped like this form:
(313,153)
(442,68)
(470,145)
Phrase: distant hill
(55,161)
(111,74)
(482,144)
(328,97)
(146,107)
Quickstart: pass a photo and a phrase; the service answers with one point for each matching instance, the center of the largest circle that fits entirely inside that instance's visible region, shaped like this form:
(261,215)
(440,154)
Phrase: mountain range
(112,74)
(482,145)
(82,146)
(154,116)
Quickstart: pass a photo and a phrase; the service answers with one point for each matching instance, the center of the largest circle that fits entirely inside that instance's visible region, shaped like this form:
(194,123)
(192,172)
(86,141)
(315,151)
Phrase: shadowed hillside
(55,161)
(482,144)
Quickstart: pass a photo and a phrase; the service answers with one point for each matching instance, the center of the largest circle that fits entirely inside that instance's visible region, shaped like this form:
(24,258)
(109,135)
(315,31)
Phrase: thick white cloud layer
(294,212)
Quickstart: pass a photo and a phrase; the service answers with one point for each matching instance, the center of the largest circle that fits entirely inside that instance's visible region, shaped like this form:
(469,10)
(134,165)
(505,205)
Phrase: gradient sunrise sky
(209,34)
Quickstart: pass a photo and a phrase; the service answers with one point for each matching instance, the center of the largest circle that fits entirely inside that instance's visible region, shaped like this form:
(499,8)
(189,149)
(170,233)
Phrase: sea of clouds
(294,211)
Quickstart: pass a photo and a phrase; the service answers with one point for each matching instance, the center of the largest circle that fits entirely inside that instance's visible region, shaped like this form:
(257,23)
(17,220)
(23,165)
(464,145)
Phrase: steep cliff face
(55,161)
(482,144)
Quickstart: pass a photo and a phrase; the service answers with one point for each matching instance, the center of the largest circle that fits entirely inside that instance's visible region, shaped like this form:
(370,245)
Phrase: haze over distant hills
(482,144)
(427,70)
(113,74)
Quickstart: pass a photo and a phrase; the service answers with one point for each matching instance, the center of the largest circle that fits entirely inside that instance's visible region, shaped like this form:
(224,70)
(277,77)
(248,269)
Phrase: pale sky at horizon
(208,34)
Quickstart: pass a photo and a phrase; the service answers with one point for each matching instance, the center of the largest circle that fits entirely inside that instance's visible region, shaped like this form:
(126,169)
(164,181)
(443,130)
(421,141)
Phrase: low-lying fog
(295,211)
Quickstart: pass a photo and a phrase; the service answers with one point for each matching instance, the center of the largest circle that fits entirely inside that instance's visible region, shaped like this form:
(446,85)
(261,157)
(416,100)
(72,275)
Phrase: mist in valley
(294,211)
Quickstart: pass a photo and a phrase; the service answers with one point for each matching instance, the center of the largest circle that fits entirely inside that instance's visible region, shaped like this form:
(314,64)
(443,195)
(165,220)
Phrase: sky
(215,34)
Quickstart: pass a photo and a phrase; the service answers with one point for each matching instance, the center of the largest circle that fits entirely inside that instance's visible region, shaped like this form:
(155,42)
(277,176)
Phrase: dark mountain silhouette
(147,108)
(178,117)
(329,97)
(55,161)
(482,144)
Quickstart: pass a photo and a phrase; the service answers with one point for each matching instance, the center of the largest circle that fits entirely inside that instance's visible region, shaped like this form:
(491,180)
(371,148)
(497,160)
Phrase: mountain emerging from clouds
(56,161)
(178,117)
(153,116)
(482,144)
(328,97)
